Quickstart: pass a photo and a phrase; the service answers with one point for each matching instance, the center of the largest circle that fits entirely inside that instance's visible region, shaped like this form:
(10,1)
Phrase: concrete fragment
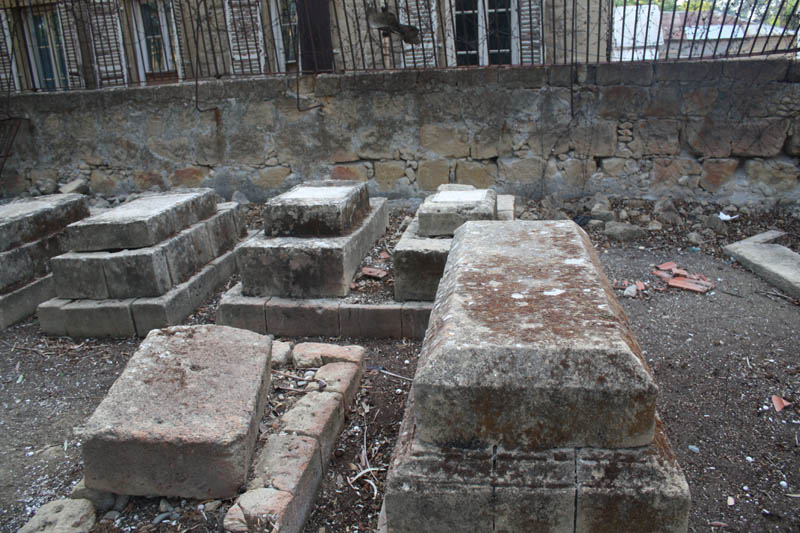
(31,219)
(281,354)
(568,356)
(290,463)
(623,231)
(777,264)
(317,208)
(142,222)
(62,516)
(341,378)
(308,267)
(323,354)
(264,510)
(506,206)
(182,419)
(442,213)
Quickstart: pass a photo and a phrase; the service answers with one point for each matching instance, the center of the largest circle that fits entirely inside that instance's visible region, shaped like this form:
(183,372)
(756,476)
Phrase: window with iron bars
(485,32)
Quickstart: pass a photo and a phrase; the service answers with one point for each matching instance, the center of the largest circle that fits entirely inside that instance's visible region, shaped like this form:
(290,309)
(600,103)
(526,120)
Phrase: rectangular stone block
(290,463)
(442,213)
(182,418)
(342,378)
(188,252)
(415,316)
(530,355)
(143,222)
(370,321)
(28,261)
(639,489)
(297,318)
(161,311)
(418,264)
(99,318)
(506,204)
(317,208)
(311,267)
(223,229)
(244,312)
(319,415)
(777,264)
(50,314)
(80,275)
(31,219)
(22,302)
(135,273)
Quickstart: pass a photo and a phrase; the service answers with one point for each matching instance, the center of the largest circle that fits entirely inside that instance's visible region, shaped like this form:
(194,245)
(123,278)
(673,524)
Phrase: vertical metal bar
(433,33)
(622,31)
(647,32)
(600,25)
(339,37)
(349,36)
(188,59)
(368,36)
(541,29)
(233,37)
(769,36)
(696,27)
(683,30)
(380,41)
(247,36)
(215,32)
(572,51)
(413,46)
(710,22)
(452,7)
(359,37)
(553,19)
(588,29)
(659,36)
(746,29)
(792,13)
(635,30)
(565,31)
(760,24)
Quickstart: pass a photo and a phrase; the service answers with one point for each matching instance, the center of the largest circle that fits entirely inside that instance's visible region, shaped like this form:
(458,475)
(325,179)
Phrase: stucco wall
(728,131)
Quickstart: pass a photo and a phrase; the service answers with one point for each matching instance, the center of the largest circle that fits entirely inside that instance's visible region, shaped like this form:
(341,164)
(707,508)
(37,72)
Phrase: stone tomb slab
(314,267)
(143,222)
(418,264)
(317,208)
(182,419)
(777,264)
(527,347)
(28,220)
(443,212)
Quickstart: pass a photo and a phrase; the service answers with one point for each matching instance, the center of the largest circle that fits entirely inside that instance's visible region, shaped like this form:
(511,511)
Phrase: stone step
(443,212)
(31,219)
(149,271)
(317,208)
(182,418)
(29,260)
(418,264)
(22,302)
(527,348)
(142,222)
(313,267)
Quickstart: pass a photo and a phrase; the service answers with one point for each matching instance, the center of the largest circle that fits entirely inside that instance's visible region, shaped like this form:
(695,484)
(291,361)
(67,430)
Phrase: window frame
(484,34)
(169,41)
(283,61)
(61,79)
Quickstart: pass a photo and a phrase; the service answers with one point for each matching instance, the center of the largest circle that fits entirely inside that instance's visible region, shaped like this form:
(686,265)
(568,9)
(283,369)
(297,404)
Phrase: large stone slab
(527,347)
(418,264)
(313,267)
(22,302)
(182,419)
(777,264)
(317,208)
(28,261)
(442,213)
(143,222)
(31,219)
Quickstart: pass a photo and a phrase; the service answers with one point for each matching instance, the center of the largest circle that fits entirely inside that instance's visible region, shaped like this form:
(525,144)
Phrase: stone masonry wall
(727,131)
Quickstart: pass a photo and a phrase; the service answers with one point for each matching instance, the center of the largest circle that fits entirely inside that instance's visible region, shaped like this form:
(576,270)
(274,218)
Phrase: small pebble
(693,448)
(175,516)
(309,374)
(212,506)
(749,459)
(164,506)
(302,383)
(745,488)
(784,485)
(160,518)
(111,515)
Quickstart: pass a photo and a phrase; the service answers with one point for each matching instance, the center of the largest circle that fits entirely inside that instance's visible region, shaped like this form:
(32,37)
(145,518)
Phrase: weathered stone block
(578,369)
(99,318)
(658,137)
(317,208)
(157,312)
(506,206)
(264,510)
(432,173)
(188,252)
(528,170)
(668,171)
(418,264)
(777,264)
(341,378)
(51,316)
(717,172)
(415,316)
(271,178)
(308,267)
(182,419)
(290,463)
(356,172)
(26,262)
(319,415)
(244,312)
(134,273)
(80,275)
(763,138)
(223,231)
(444,141)
(597,139)
(143,222)
(625,74)
(373,321)
(297,318)
(772,175)
(22,302)
(631,490)
(481,175)
(320,354)
(442,213)
(388,172)
(31,219)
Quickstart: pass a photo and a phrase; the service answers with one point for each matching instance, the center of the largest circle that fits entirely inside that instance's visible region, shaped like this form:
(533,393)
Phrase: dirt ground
(718,358)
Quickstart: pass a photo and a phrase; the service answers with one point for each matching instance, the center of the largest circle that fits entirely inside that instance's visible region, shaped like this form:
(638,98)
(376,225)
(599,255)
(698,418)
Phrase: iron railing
(77,44)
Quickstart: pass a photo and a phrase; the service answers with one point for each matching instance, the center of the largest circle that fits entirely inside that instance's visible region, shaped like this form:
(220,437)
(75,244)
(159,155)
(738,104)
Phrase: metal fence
(76,44)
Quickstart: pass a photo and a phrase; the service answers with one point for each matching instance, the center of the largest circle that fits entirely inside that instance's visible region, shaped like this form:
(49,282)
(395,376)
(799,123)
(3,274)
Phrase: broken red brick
(669,265)
(640,286)
(374,272)
(690,285)
(662,274)
(385,255)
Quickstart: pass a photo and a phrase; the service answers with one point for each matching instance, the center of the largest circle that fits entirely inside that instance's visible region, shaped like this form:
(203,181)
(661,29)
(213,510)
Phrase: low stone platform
(182,418)
(532,408)
(308,267)
(31,232)
(419,261)
(317,208)
(322,317)
(120,293)
(444,211)
(777,264)
(142,222)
